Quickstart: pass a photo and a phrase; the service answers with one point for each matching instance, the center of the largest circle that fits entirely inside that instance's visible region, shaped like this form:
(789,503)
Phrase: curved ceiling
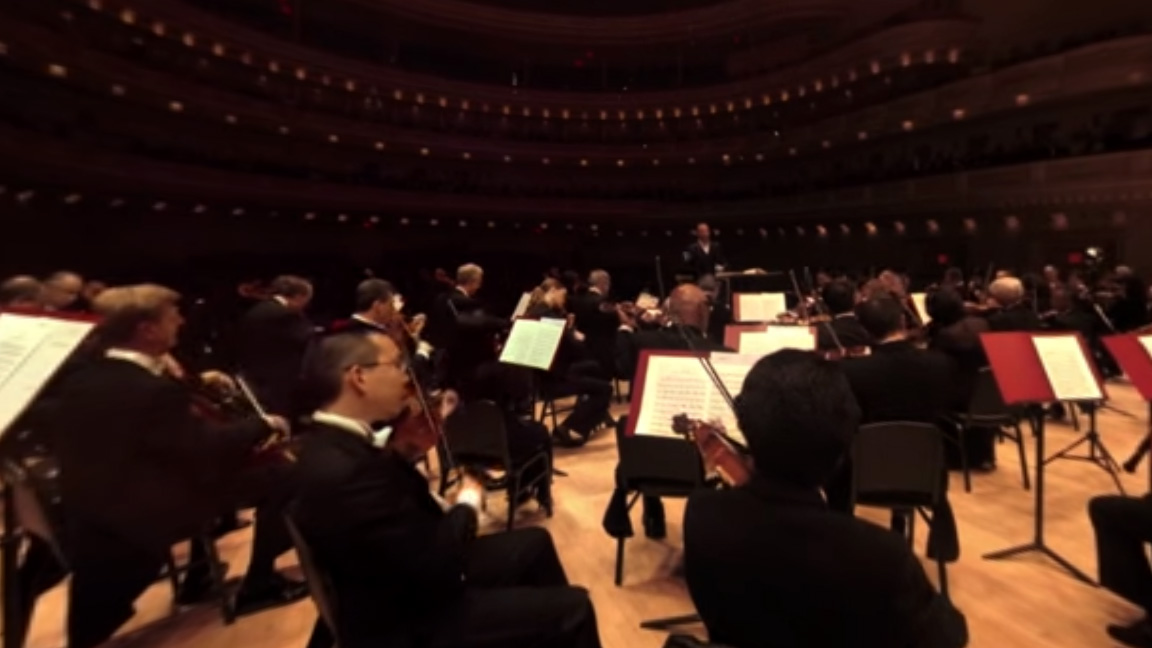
(598,7)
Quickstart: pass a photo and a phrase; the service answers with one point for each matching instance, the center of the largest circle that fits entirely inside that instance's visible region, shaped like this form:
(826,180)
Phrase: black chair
(477,435)
(654,467)
(320,589)
(548,391)
(900,466)
(988,409)
(216,573)
(37,502)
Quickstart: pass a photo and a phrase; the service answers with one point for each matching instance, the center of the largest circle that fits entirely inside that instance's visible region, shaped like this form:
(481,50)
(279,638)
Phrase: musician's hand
(448,403)
(625,317)
(471,492)
(172,366)
(219,380)
(578,335)
(418,322)
(278,424)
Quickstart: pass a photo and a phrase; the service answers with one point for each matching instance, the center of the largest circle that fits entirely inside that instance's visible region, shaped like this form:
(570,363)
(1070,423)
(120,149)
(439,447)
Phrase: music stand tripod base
(1098,453)
(1038,543)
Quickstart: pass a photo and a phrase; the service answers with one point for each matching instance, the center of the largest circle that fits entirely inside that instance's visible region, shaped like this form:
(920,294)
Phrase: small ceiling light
(404,221)
(691,160)
(1022,99)
(875,67)
(619,163)
(349,85)
(726,158)
(284,130)
(231,119)
(160,206)
(116,202)
(127,16)
(465,105)
(862,135)
(930,57)
(239,211)
(766,99)
(301,73)
(189,39)
(175,106)
(784,96)
(507,158)
(343,218)
(218,50)
(466,155)
(56,70)
(899,227)
(434,222)
(826,144)
(310,216)
(199,209)
(908,125)
(905,59)
(379,146)
(398,95)
(72,199)
(933,226)
(95,5)
(759,157)
(959,113)
(545,161)
(273,66)
(25,196)
(491,224)
(954,55)
(583,162)
(655,161)
(335,139)
(424,151)
(158,28)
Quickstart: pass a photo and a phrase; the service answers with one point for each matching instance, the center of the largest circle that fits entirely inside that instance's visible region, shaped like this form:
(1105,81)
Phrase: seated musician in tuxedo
(704,257)
(1123,528)
(273,337)
(460,326)
(956,333)
(898,382)
(688,310)
(22,292)
(378,309)
(767,564)
(1009,310)
(139,471)
(406,571)
(840,297)
(572,369)
(596,319)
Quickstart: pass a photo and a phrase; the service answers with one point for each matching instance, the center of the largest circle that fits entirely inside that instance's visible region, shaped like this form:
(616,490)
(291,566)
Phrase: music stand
(1133,352)
(1023,381)
(41,343)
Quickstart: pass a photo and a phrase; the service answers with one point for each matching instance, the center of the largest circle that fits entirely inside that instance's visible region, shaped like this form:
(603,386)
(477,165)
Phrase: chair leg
(964,468)
(513,498)
(619,561)
(942,568)
(227,611)
(1023,458)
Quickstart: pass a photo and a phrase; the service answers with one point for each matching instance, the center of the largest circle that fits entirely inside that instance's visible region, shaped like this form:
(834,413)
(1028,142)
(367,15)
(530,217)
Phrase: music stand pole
(1037,543)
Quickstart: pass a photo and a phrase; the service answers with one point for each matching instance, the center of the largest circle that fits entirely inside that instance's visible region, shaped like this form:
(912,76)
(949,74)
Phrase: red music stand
(1022,381)
(1135,361)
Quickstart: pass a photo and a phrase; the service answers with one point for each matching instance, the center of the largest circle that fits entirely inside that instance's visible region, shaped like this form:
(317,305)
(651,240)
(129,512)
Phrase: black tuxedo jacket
(702,263)
(1015,318)
(599,328)
(899,382)
(960,341)
(461,326)
(135,462)
(849,331)
(770,565)
(273,341)
(396,559)
(629,344)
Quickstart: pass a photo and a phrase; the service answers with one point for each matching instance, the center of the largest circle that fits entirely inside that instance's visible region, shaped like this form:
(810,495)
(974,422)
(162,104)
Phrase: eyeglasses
(400,363)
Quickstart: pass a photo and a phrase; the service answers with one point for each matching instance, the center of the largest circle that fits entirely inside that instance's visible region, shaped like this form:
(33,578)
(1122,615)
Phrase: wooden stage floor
(1021,602)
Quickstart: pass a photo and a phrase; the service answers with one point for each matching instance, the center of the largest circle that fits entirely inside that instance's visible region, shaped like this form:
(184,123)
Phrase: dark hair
(290,286)
(798,415)
(945,307)
(840,295)
(953,276)
(881,316)
(328,360)
(370,291)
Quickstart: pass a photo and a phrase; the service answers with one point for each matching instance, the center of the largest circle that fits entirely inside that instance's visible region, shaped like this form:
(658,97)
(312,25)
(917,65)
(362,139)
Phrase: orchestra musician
(459,324)
(273,337)
(1123,528)
(596,318)
(139,471)
(21,292)
(688,310)
(406,571)
(1009,310)
(767,564)
(847,332)
(704,256)
(377,309)
(899,382)
(62,290)
(571,370)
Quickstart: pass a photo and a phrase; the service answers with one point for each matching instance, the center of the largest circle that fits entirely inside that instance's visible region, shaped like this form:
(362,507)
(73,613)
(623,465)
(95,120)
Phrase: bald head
(688,304)
(22,291)
(62,289)
(1006,291)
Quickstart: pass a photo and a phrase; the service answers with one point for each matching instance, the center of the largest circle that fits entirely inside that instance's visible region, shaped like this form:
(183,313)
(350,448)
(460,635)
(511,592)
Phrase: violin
(719,453)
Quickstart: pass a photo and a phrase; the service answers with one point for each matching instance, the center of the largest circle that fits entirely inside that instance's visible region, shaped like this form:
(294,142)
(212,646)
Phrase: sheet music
(775,338)
(679,385)
(19,337)
(533,343)
(920,301)
(58,340)
(760,307)
(1146,341)
(522,305)
(646,301)
(1067,369)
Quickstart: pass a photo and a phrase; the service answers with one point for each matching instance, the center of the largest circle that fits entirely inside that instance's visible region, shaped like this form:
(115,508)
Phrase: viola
(719,453)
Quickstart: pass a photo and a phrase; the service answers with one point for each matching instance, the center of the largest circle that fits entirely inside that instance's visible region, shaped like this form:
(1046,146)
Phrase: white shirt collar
(359,428)
(465,292)
(842,315)
(360,318)
(594,289)
(149,363)
(283,302)
(705,246)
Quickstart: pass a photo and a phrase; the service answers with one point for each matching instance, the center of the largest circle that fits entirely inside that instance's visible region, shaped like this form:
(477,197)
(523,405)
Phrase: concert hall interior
(628,323)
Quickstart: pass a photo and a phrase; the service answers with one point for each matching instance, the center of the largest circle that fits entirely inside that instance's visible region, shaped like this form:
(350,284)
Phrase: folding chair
(548,391)
(320,589)
(654,467)
(900,466)
(987,409)
(478,435)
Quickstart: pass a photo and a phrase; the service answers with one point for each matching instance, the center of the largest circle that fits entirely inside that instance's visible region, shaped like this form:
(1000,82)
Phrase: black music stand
(1135,360)
(1022,381)
(1098,454)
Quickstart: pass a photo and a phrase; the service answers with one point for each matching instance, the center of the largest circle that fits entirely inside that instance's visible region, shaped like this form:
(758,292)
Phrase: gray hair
(469,273)
(290,286)
(1007,291)
(21,290)
(598,277)
(331,357)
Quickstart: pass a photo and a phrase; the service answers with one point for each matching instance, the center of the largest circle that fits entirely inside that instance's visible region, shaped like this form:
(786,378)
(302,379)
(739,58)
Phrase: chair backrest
(319,584)
(900,461)
(35,499)
(987,403)
(658,458)
(477,431)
